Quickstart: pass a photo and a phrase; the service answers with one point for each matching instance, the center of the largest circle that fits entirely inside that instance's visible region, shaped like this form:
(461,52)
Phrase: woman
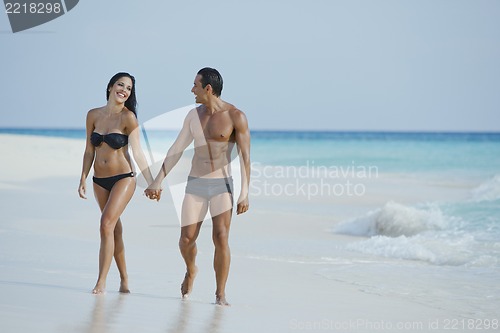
(110,131)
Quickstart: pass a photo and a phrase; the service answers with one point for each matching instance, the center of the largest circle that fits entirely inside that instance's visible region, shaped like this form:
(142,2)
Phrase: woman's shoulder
(95,111)
(93,114)
(129,120)
(128,115)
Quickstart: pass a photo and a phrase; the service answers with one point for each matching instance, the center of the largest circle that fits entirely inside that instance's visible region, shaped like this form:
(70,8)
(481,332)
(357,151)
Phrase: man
(215,126)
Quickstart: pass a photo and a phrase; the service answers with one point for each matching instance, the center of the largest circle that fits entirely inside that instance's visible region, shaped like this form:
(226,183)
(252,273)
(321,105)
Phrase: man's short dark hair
(212,77)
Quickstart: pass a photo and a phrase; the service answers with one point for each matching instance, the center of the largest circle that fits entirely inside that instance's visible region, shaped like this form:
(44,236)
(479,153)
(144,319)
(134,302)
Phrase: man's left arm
(242,137)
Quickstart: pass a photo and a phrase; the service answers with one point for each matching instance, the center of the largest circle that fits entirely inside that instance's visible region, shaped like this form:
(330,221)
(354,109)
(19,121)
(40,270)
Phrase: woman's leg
(112,205)
(119,255)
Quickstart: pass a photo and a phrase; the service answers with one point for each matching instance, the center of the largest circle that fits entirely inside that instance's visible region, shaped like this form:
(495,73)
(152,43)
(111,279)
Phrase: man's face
(199,92)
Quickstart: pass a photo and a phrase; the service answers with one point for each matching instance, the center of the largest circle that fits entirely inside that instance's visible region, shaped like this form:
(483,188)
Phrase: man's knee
(220,238)
(186,241)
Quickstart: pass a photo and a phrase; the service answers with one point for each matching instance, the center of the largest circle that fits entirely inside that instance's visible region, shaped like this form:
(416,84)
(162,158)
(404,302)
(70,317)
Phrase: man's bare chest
(217,127)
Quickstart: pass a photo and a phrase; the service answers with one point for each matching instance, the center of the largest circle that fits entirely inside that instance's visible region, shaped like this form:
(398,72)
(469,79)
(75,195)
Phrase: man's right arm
(174,154)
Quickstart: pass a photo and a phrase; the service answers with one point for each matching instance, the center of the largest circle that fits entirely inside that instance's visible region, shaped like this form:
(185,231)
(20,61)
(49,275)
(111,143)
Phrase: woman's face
(120,91)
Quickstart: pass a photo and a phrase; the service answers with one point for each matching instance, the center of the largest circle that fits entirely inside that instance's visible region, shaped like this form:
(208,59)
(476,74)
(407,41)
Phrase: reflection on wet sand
(109,314)
(181,321)
(103,315)
(185,321)
(215,323)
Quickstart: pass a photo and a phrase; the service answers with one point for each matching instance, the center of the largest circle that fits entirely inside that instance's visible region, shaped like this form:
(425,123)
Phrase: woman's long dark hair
(131,102)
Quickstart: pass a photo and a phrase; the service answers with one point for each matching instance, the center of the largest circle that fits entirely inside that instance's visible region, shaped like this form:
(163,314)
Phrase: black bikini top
(114,140)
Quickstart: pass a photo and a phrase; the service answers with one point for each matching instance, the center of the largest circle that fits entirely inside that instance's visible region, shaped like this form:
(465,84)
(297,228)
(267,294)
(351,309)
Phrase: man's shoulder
(235,112)
(238,118)
(193,112)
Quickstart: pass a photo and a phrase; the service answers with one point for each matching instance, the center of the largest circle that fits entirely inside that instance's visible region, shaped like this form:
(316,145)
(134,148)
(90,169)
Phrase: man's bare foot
(221,300)
(187,284)
(99,288)
(124,286)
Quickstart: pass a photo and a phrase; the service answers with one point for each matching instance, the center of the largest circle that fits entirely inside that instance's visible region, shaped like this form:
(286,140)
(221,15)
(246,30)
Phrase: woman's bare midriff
(111,162)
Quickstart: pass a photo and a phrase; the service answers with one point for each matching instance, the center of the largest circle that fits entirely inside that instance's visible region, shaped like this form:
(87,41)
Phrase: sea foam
(429,233)
(395,220)
(487,191)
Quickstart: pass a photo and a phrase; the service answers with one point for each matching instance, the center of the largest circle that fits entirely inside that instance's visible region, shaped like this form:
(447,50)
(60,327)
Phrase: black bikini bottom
(108,182)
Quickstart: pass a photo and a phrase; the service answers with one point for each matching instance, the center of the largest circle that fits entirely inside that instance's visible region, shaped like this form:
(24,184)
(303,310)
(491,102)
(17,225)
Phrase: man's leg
(222,205)
(194,209)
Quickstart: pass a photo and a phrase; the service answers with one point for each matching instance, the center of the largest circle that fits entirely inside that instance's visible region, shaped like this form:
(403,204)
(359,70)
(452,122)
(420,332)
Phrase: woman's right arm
(88,156)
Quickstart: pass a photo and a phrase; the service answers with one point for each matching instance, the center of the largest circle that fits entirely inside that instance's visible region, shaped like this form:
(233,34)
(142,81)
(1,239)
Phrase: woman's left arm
(135,143)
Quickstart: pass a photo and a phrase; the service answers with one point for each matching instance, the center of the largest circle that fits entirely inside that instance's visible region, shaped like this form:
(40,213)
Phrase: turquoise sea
(477,153)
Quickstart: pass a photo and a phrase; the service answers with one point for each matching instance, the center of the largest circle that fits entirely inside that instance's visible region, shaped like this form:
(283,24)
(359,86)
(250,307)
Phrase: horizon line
(395,131)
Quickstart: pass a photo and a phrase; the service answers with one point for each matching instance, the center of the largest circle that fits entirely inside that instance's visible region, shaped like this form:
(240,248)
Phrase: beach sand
(49,243)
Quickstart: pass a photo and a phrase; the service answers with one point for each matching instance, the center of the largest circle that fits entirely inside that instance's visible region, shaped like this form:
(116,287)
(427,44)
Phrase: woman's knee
(118,231)
(107,228)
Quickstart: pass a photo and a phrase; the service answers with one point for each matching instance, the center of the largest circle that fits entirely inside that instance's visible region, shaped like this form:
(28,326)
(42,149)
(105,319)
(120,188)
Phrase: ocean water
(455,243)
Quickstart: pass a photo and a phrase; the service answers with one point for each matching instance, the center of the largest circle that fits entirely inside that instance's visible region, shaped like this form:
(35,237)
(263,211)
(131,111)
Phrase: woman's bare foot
(99,288)
(187,284)
(221,300)
(124,286)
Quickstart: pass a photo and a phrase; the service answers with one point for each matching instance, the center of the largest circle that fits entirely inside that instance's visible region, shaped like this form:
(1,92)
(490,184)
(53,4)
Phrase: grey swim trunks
(207,188)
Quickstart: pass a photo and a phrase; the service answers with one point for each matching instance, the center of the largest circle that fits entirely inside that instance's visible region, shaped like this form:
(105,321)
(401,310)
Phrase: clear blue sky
(431,65)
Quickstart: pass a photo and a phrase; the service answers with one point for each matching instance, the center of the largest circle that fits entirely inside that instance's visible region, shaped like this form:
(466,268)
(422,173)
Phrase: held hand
(82,190)
(153,193)
(242,205)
